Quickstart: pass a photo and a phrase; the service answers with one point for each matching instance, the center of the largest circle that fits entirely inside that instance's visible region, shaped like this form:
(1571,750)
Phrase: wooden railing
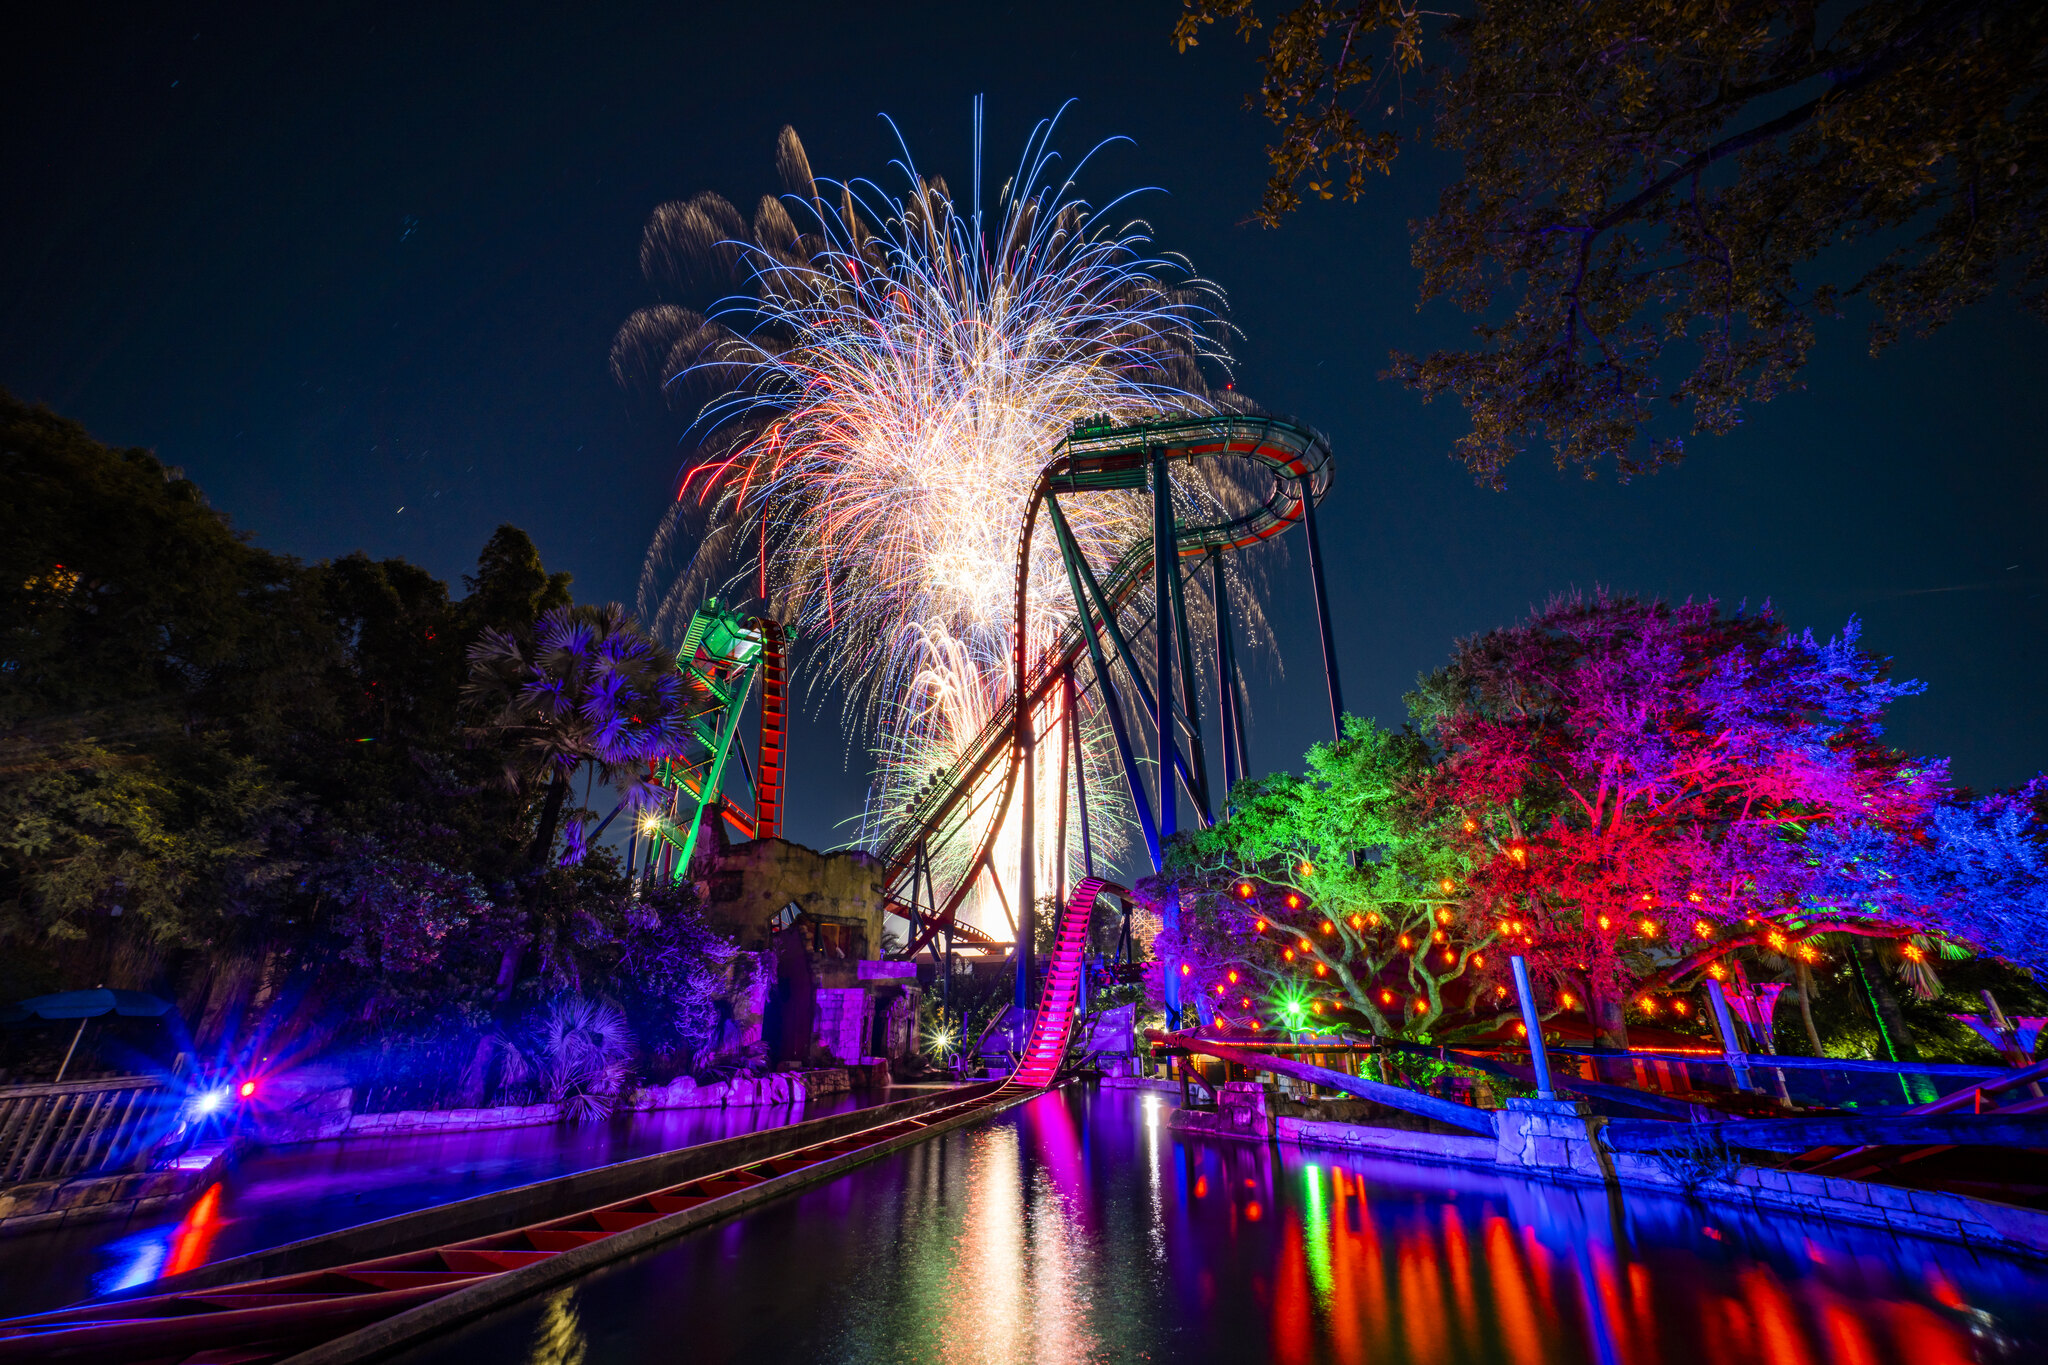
(49,1132)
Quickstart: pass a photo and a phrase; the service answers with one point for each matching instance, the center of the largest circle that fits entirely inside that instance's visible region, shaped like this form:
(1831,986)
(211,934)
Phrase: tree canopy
(1657,200)
(1325,894)
(1632,795)
(1636,786)
(224,771)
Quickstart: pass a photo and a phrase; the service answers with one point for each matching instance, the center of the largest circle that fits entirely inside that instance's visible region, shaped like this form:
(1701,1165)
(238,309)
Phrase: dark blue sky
(342,261)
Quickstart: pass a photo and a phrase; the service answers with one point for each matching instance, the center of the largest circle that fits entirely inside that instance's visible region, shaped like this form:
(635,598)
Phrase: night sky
(357,271)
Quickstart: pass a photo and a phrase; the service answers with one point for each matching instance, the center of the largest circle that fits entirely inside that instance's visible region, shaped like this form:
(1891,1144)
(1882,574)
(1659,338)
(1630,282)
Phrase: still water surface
(293,1192)
(1079,1228)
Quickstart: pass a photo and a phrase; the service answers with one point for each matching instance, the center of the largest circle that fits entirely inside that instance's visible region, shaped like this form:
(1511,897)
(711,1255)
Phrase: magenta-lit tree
(1639,788)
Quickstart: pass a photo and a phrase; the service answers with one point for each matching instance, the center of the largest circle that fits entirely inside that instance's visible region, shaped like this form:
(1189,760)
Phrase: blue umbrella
(83,1005)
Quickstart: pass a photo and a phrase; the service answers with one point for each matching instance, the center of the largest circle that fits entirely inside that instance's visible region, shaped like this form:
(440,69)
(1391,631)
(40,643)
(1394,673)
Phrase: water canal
(302,1191)
(1079,1228)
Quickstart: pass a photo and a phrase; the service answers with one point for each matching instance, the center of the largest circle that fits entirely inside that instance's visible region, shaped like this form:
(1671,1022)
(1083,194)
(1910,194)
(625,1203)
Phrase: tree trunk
(476,1077)
(550,821)
(1891,1024)
(508,968)
(1608,1011)
(1806,1009)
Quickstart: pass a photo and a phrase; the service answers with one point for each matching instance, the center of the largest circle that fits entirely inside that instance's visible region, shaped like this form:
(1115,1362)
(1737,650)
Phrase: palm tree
(585,685)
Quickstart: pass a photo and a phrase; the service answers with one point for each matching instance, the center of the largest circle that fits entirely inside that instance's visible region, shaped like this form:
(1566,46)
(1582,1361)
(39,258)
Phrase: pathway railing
(50,1132)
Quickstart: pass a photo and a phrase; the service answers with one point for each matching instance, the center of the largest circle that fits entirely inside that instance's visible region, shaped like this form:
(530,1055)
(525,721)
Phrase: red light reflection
(194,1237)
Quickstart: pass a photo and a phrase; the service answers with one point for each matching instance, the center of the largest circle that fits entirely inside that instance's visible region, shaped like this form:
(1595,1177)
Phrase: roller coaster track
(1095,459)
(367,1308)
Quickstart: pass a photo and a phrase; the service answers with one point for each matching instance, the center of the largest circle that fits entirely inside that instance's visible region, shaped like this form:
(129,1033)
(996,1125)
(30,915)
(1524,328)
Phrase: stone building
(818,918)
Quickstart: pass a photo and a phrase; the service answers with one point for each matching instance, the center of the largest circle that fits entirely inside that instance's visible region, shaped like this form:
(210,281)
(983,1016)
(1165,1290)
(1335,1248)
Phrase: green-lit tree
(1322,899)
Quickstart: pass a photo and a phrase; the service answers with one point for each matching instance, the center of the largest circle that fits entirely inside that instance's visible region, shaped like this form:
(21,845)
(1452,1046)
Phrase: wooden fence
(49,1132)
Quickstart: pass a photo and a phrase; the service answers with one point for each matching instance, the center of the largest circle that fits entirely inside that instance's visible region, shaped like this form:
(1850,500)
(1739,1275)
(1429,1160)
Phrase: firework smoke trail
(879,410)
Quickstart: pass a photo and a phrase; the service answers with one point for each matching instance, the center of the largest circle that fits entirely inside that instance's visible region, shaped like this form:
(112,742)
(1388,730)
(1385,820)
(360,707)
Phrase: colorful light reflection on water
(1081,1228)
(292,1192)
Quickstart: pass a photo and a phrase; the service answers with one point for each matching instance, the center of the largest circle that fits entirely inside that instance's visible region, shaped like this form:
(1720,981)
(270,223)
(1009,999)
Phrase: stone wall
(1560,1140)
(842,1023)
(43,1204)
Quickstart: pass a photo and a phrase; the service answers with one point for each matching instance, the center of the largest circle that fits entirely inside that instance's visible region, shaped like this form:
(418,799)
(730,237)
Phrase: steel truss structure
(724,656)
(967,805)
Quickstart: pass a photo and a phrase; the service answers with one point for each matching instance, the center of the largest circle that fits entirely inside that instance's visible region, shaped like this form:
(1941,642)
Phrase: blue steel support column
(1731,1048)
(1140,799)
(1190,705)
(1315,573)
(1538,1056)
(1164,627)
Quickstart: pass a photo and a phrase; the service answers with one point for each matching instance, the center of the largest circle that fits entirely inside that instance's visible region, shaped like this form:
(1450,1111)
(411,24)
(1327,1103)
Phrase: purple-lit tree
(392,916)
(1638,787)
(586,686)
(1984,873)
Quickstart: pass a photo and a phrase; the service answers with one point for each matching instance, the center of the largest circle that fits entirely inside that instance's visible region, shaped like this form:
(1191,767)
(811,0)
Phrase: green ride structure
(725,655)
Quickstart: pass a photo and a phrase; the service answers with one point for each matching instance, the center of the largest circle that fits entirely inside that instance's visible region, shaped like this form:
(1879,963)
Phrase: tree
(1324,898)
(584,685)
(510,589)
(126,603)
(1639,789)
(1639,180)
(1985,869)
(169,847)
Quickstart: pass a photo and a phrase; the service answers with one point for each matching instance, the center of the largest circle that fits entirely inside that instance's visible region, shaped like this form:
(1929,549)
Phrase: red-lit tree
(1636,785)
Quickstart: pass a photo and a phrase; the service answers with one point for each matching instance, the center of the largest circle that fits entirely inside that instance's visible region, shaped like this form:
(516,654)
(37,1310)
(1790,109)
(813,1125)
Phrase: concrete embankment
(43,1204)
(1561,1140)
(314,1106)
(306,1107)
(537,1202)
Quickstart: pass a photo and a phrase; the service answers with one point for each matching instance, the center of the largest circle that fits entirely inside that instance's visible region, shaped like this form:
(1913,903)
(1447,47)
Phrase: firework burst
(874,410)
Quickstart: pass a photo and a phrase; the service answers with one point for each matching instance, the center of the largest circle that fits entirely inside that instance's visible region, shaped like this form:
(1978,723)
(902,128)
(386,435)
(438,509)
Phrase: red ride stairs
(1047,1046)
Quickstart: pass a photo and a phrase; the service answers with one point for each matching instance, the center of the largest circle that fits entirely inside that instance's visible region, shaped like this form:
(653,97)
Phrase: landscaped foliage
(255,786)
(1650,191)
(1630,794)
(1326,895)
